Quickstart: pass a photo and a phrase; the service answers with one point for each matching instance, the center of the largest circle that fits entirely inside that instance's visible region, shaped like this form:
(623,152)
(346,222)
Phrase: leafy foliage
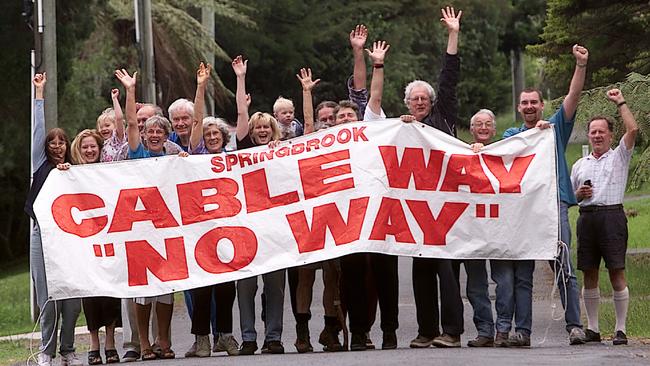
(315,34)
(616,35)
(613,31)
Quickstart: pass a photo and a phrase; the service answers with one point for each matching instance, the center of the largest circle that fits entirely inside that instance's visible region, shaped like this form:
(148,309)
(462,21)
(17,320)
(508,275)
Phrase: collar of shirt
(606,154)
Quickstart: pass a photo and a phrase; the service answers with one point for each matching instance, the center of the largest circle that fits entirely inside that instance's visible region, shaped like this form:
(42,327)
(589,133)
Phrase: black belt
(601,208)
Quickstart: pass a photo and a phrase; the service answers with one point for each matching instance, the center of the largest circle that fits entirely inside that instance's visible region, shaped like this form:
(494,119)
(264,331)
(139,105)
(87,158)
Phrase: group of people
(354,284)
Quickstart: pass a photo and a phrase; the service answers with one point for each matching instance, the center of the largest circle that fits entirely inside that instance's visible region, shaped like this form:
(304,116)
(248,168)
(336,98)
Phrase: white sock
(591,297)
(621,302)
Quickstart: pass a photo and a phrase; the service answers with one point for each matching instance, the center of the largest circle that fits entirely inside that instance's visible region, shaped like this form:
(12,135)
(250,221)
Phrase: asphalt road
(549,339)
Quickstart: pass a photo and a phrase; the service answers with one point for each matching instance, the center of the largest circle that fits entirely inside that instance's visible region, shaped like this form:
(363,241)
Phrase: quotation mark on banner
(108,249)
(481,211)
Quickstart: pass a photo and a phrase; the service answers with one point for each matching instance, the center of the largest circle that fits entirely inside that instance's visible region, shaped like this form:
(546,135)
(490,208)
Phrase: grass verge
(14,300)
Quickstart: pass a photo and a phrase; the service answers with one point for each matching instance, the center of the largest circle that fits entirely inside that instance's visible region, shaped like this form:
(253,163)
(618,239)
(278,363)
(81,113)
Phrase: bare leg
(142,313)
(164,315)
(94,340)
(304,291)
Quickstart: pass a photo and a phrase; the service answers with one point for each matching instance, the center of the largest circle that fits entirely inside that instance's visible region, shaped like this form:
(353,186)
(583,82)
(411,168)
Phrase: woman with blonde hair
(260,129)
(100,311)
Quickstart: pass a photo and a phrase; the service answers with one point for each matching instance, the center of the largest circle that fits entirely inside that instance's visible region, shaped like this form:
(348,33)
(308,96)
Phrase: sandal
(148,355)
(111,356)
(167,354)
(94,358)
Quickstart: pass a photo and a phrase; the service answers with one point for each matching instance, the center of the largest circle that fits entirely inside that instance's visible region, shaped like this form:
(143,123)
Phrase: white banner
(158,225)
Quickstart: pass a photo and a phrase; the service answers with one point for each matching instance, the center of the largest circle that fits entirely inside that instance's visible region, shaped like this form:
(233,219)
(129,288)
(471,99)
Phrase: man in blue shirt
(530,107)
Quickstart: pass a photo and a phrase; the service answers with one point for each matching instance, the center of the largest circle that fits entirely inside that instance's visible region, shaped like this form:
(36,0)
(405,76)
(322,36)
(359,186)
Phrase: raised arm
(631,127)
(452,21)
(358,38)
(570,102)
(307,104)
(377,56)
(239,66)
(38,142)
(119,116)
(202,79)
(132,131)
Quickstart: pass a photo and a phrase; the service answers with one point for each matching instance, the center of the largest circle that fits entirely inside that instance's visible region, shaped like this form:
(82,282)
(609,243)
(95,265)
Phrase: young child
(284,111)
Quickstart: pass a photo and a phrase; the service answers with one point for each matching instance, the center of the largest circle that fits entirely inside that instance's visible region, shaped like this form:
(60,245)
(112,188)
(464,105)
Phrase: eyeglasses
(419,99)
(483,124)
(55,143)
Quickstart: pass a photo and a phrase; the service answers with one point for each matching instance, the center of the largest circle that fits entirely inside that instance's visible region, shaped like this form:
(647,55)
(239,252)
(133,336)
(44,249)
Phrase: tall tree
(616,35)
(615,32)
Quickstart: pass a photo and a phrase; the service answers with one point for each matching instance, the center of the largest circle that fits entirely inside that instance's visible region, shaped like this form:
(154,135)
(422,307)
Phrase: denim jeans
(567,283)
(274,292)
(68,309)
(514,279)
(479,297)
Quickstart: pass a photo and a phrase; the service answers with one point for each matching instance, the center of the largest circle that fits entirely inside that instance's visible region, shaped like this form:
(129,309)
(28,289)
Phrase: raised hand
(239,65)
(203,73)
(115,94)
(378,53)
(358,37)
(581,54)
(450,19)
(127,80)
(249,100)
(305,79)
(615,96)
(40,80)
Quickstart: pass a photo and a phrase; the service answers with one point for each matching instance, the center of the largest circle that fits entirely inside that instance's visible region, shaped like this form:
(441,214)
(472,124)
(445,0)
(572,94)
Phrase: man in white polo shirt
(599,183)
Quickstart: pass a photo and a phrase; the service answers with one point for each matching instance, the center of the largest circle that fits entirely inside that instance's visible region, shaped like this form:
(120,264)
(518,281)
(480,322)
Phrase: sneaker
(518,340)
(44,359)
(481,341)
(273,347)
(200,348)
(390,340)
(248,348)
(226,343)
(131,356)
(358,342)
(446,341)
(591,336)
(577,336)
(369,344)
(71,359)
(501,340)
(619,338)
(421,342)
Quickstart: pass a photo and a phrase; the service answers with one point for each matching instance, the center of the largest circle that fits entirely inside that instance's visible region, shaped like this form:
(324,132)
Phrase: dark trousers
(354,268)
(426,272)
(224,297)
(292,277)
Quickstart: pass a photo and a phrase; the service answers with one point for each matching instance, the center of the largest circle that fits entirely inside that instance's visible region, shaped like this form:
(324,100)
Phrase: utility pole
(46,26)
(144,38)
(518,79)
(207,20)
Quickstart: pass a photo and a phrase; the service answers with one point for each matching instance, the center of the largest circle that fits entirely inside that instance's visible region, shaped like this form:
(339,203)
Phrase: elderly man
(515,278)
(483,128)
(439,112)
(180,115)
(599,183)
